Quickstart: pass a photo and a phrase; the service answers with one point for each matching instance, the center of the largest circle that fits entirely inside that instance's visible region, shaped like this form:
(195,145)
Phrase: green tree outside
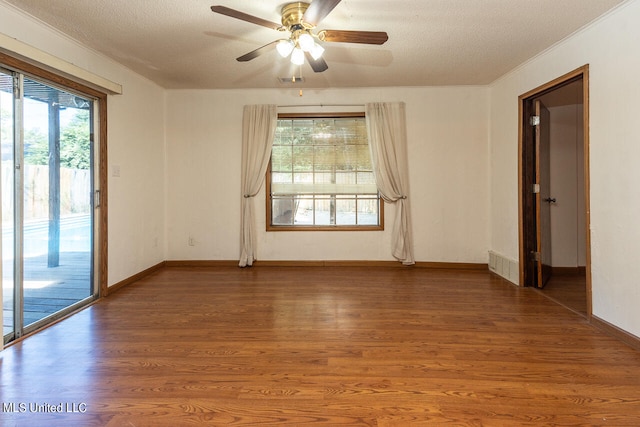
(75,144)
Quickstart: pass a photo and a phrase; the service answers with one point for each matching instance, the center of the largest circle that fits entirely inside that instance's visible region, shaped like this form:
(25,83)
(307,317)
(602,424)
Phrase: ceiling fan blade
(255,53)
(318,10)
(318,65)
(245,17)
(345,36)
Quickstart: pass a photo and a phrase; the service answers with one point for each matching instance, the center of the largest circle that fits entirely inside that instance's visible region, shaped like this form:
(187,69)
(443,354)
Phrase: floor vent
(504,267)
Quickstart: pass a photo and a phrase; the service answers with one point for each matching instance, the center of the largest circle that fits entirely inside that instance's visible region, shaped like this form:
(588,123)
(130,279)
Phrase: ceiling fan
(300,20)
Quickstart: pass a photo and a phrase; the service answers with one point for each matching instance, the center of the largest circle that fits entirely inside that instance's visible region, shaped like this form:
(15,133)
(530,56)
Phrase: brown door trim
(526,202)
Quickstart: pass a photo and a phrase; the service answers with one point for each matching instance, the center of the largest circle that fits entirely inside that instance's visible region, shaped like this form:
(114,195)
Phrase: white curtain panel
(258,130)
(388,144)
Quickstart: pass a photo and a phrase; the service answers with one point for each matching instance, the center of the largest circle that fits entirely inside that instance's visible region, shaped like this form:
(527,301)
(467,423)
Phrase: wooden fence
(75,191)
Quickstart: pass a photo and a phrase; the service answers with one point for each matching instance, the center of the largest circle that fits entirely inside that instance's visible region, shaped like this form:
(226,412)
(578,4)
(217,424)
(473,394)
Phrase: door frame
(526,175)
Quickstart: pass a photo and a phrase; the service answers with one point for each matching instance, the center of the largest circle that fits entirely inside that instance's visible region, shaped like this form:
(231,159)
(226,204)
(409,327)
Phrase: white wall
(447,137)
(135,143)
(610,48)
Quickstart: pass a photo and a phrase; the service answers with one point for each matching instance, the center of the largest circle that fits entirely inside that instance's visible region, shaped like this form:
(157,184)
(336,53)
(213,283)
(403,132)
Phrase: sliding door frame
(99,196)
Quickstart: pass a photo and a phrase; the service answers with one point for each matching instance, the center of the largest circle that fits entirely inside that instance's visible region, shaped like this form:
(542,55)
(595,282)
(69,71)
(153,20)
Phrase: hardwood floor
(321,346)
(569,290)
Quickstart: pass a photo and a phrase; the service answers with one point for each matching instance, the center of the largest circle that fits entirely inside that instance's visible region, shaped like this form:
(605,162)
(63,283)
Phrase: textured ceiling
(182,44)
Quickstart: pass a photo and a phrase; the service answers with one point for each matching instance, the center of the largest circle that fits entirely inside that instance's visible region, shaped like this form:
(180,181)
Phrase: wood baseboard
(117,286)
(453,265)
(614,331)
(201,263)
(327,263)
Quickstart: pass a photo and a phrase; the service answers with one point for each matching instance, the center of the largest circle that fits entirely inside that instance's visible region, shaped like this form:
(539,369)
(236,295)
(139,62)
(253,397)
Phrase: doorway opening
(554,190)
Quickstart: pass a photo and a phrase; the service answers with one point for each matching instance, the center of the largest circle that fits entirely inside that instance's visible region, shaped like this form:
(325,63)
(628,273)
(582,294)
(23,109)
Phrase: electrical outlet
(192,241)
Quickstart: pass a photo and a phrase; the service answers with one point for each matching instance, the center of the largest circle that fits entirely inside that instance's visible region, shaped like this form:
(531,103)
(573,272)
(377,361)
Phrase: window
(320,176)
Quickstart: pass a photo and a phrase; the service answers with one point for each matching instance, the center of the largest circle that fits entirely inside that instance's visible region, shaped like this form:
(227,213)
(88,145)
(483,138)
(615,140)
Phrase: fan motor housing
(292,14)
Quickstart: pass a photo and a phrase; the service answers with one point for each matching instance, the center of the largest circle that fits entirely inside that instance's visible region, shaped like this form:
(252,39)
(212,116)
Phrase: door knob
(550,200)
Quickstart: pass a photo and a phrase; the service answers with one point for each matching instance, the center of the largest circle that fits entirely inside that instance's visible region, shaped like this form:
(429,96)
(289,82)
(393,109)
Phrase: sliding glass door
(47,202)
(7,138)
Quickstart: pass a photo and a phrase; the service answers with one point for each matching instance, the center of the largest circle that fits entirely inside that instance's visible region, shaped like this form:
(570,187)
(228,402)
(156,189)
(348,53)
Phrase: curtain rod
(321,105)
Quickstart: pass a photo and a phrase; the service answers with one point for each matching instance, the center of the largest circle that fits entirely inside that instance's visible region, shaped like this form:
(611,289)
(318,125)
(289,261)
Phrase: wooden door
(543,194)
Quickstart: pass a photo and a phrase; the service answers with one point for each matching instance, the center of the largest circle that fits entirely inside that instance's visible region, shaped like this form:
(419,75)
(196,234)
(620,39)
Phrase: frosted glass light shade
(284,47)
(305,41)
(297,56)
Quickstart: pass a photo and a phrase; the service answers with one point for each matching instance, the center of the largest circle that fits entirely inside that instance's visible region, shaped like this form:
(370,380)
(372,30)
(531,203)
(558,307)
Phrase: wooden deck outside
(335,346)
(49,290)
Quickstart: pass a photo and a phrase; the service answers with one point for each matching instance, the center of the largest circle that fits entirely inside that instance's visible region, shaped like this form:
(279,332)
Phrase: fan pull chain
(300,91)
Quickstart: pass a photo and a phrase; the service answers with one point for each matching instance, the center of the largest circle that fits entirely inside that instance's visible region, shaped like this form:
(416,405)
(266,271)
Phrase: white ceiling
(182,44)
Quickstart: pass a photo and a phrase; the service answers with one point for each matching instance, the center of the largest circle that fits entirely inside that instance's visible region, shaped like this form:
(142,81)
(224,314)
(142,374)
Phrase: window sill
(325,228)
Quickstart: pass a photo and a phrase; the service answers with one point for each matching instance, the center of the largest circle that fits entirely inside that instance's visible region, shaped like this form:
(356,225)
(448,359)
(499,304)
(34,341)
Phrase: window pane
(367,210)
(365,178)
(284,133)
(303,158)
(282,211)
(323,212)
(303,178)
(281,178)
(346,211)
(304,211)
(323,131)
(351,131)
(364,157)
(324,177)
(346,178)
(302,132)
(346,158)
(281,159)
(325,158)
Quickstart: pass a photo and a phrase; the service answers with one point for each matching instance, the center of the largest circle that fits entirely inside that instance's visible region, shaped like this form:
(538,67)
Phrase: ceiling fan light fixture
(297,56)
(305,41)
(300,19)
(317,51)
(284,47)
